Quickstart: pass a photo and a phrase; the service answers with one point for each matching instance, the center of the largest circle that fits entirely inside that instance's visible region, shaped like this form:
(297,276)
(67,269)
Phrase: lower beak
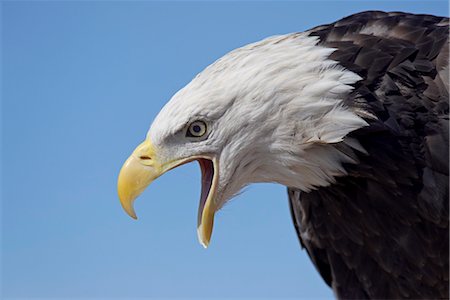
(142,167)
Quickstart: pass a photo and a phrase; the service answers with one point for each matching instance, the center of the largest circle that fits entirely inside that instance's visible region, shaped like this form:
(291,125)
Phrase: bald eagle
(352,117)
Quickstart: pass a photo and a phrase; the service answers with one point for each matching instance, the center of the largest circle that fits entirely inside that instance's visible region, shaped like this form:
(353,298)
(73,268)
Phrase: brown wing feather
(382,231)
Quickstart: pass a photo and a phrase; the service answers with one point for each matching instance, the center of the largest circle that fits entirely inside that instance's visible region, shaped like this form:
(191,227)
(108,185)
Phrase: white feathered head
(266,112)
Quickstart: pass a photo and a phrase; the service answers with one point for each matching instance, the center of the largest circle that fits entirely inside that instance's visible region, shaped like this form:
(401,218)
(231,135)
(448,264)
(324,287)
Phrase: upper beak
(143,166)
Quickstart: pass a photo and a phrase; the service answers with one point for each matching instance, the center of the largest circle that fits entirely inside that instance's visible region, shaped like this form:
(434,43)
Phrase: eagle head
(270,111)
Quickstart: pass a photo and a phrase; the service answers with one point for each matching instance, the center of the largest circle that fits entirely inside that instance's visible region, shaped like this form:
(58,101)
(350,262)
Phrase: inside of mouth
(207,169)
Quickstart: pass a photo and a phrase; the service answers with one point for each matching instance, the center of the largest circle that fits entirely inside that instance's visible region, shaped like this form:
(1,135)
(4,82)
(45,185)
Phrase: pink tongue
(207,175)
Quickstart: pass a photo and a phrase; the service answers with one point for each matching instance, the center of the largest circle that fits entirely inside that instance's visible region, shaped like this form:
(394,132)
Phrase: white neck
(292,110)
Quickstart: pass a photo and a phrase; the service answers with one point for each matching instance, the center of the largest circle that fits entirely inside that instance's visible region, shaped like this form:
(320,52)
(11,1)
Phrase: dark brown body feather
(382,231)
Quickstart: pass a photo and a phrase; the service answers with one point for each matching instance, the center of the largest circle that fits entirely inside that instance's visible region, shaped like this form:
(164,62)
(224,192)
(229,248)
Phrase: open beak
(143,166)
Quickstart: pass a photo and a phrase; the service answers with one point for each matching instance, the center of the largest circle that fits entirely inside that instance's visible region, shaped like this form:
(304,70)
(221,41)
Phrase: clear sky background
(81,83)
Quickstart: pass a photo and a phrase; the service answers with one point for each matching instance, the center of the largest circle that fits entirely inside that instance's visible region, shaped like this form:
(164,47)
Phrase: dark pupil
(196,128)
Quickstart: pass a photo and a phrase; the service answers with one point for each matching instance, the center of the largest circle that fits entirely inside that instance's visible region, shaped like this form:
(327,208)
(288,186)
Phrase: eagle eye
(196,129)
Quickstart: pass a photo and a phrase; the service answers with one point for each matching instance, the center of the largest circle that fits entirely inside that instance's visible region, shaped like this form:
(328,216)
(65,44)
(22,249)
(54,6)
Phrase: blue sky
(81,83)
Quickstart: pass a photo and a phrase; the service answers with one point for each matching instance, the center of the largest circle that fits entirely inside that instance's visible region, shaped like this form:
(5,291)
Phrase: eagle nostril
(145,157)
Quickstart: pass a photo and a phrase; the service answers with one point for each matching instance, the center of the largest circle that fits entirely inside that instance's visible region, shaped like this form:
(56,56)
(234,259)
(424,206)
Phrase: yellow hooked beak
(143,166)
